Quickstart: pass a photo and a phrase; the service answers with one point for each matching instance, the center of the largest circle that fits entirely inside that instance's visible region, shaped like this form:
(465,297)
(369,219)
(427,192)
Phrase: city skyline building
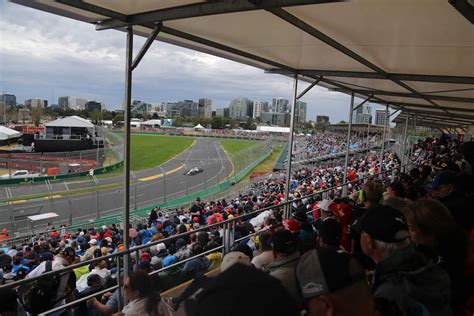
(205,108)
(258,108)
(280,105)
(9,100)
(241,108)
(300,111)
(279,119)
(322,119)
(381,117)
(36,103)
(77,103)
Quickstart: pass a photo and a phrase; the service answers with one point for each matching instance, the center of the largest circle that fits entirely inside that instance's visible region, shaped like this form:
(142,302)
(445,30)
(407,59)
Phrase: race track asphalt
(166,182)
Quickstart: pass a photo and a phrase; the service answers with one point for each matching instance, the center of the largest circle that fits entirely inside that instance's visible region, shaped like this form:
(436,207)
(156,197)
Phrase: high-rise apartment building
(36,103)
(205,108)
(223,112)
(259,107)
(93,106)
(240,108)
(9,100)
(279,119)
(322,119)
(363,114)
(63,103)
(280,105)
(300,112)
(77,103)
(380,117)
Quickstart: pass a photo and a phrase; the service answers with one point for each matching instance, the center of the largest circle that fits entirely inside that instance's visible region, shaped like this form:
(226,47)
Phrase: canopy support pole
(348,145)
(127,117)
(387,117)
(290,148)
(404,143)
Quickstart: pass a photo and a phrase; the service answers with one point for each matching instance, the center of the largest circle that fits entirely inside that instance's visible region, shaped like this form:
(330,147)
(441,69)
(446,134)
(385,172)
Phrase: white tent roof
(7,133)
(70,121)
(414,55)
(273,129)
(153,122)
(199,126)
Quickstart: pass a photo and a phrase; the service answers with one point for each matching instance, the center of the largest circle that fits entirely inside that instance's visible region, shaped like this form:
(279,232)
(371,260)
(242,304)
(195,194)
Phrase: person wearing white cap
(89,254)
(324,206)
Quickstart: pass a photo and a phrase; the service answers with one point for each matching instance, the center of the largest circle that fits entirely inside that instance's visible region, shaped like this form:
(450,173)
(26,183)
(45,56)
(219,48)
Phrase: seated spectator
(197,266)
(215,257)
(333,283)
(433,229)
(100,269)
(142,299)
(403,276)
(329,233)
(265,251)
(229,293)
(286,254)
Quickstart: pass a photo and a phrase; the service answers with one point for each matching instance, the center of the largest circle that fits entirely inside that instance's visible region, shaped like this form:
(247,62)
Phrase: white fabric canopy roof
(8,133)
(415,55)
(70,121)
(199,126)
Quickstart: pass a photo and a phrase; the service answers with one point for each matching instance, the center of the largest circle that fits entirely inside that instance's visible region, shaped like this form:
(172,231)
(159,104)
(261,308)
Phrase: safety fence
(62,165)
(122,260)
(97,201)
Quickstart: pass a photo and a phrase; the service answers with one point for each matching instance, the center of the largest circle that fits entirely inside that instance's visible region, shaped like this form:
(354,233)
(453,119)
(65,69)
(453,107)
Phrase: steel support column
(404,143)
(126,163)
(348,146)
(290,148)
(387,117)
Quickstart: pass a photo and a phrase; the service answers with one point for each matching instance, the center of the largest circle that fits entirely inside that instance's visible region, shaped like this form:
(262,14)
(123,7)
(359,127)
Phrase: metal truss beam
(202,9)
(309,88)
(147,45)
(382,76)
(363,102)
(410,95)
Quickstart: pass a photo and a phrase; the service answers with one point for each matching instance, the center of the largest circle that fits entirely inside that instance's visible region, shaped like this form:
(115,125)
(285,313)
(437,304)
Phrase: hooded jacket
(413,283)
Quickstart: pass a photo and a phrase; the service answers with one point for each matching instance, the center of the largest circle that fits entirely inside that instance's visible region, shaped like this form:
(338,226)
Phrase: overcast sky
(43,55)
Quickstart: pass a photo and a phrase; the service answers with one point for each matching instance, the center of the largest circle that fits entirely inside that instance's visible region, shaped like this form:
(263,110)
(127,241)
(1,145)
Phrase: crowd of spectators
(397,245)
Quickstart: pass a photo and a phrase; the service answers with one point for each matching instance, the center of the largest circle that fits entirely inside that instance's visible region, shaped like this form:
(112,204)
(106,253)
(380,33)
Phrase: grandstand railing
(226,225)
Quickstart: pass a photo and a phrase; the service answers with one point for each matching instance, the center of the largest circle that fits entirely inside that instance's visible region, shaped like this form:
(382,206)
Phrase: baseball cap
(234,257)
(324,205)
(145,256)
(284,242)
(93,241)
(160,247)
(291,225)
(327,270)
(383,223)
(229,293)
(69,252)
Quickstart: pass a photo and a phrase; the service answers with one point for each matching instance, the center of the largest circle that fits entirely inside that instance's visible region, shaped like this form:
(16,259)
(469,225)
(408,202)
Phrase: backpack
(40,296)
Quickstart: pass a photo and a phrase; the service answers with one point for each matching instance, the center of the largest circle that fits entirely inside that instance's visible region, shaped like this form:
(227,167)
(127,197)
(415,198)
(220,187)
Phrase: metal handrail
(174,237)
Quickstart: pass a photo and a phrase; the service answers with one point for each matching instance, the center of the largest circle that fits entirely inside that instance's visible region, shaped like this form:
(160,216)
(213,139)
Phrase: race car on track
(193,171)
